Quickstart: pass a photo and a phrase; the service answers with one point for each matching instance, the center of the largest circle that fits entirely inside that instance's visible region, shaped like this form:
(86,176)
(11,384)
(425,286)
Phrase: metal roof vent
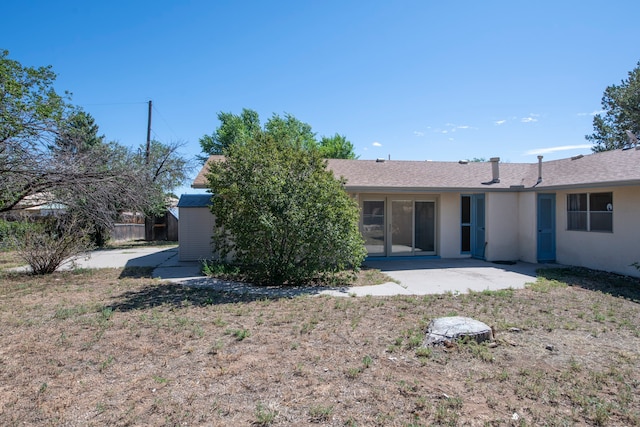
(495,171)
(539,169)
(579,156)
(633,140)
(539,172)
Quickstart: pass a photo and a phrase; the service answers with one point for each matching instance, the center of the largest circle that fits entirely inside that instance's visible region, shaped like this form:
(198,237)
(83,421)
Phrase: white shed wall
(195,230)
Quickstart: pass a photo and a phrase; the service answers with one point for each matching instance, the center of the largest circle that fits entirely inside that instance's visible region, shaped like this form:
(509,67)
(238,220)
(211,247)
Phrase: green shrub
(13,229)
(282,215)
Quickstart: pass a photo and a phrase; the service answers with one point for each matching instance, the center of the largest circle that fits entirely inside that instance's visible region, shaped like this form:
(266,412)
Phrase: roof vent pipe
(539,169)
(633,139)
(495,171)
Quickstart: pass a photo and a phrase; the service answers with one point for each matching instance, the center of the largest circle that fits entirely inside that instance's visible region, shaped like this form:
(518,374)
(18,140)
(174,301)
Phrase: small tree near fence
(45,243)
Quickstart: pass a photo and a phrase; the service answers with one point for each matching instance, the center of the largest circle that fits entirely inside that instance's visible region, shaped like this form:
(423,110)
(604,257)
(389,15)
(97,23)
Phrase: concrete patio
(416,276)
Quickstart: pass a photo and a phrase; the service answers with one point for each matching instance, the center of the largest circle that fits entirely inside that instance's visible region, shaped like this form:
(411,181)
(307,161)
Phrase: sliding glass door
(425,228)
(413,227)
(373,227)
(401,227)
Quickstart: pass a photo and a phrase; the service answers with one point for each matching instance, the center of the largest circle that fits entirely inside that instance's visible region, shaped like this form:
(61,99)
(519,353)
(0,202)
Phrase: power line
(156,136)
(166,122)
(112,103)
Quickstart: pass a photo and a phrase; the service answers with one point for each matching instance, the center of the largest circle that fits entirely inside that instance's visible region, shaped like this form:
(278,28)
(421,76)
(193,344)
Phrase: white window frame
(588,211)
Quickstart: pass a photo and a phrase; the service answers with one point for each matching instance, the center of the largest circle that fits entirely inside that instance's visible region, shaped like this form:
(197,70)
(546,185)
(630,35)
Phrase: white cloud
(463,127)
(554,149)
(593,113)
(418,133)
(528,119)
(376,144)
(500,122)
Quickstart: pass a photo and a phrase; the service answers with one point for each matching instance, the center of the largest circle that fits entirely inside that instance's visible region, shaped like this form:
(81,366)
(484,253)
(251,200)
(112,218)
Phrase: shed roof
(194,201)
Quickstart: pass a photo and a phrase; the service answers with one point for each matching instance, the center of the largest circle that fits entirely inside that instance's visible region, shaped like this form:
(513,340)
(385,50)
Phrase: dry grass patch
(10,259)
(102,347)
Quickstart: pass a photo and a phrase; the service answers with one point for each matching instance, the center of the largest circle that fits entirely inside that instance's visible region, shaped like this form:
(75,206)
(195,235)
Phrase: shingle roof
(617,167)
(609,168)
(201,179)
(395,175)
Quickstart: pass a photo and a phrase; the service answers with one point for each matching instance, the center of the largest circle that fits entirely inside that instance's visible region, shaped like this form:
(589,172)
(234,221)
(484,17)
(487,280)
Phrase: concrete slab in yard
(163,259)
(437,276)
(416,276)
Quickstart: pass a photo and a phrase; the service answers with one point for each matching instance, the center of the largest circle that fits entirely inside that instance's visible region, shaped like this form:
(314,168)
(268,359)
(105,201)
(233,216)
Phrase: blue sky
(414,80)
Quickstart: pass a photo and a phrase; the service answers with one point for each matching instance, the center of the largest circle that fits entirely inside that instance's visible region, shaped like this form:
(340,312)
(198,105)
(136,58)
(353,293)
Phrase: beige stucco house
(579,211)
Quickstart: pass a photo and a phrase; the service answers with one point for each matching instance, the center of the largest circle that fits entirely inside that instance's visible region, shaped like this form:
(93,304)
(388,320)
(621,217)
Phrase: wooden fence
(122,232)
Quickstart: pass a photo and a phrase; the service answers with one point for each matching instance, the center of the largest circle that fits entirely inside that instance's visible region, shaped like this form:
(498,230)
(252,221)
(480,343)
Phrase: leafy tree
(48,147)
(281,214)
(232,128)
(52,152)
(30,111)
(240,128)
(621,105)
(77,133)
(30,108)
(165,170)
(292,131)
(336,147)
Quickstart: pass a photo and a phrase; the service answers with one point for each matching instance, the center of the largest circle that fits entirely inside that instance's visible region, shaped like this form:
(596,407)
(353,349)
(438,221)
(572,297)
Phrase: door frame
(385,214)
(388,221)
(478,225)
(389,236)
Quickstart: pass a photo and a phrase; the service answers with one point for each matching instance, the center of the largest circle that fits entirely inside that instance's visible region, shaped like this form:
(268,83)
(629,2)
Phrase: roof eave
(406,190)
(606,184)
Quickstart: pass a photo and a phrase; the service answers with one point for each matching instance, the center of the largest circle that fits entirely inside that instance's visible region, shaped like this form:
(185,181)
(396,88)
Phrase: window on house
(590,212)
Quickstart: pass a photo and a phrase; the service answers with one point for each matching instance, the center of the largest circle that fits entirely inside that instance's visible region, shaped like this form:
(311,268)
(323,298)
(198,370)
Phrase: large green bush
(280,214)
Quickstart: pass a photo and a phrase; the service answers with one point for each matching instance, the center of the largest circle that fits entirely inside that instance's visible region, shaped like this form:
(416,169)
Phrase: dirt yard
(113,347)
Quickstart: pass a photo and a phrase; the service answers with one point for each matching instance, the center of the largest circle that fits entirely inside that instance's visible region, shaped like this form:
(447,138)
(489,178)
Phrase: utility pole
(149,231)
(147,154)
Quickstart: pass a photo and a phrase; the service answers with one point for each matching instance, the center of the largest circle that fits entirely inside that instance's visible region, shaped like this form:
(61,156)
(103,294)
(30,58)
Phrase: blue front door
(546,227)
(477,226)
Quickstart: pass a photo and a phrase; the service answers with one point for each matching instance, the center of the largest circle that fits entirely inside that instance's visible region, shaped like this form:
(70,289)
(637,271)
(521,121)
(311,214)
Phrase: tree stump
(448,329)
